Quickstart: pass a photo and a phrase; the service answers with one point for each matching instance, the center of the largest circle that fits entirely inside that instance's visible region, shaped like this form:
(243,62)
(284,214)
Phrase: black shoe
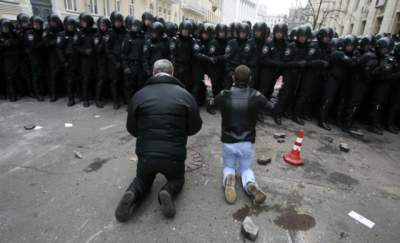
(125,207)
(299,121)
(307,118)
(116,106)
(13,99)
(71,102)
(375,130)
(324,125)
(211,111)
(99,104)
(53,99)
(278,120)
(167,205)
(392,129)
(86,104)
(40,98)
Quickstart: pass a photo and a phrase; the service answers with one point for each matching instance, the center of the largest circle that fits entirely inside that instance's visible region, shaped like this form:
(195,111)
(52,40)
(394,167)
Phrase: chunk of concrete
(280,140)
(263,161)
(250,229)
(279,135)
(344,147)
(29,127)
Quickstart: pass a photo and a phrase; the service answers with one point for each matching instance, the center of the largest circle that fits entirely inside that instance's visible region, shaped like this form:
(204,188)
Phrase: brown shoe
(258,195)
(230,193)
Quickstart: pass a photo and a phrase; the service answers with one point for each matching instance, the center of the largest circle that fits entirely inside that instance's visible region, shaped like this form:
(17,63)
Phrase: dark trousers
(291,81)
(149,167)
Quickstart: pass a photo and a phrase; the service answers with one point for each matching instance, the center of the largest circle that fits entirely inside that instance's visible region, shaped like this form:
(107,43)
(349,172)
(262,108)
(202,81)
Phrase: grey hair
(163,66)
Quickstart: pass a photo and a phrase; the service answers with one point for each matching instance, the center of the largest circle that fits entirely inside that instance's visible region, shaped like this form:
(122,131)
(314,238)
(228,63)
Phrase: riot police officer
(216,51)
(68,56)
(155,48)
(132,53)
(50,38)
(101,40)
(260,34)
(117,36)
(9,49)
(24,69)
(85,47)
(147,21)
(181,49)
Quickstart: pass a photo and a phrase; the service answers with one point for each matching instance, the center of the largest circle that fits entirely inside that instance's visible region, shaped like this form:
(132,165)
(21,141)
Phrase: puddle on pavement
(290,219)
(253,209)
(338,178)
(95,165)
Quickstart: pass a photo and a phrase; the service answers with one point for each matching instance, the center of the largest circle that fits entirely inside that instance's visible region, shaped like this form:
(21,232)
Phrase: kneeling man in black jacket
(161,116)
(240,107)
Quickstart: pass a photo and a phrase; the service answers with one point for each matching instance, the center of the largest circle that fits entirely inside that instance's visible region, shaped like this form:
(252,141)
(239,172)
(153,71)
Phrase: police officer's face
(243,35)
(258,34)
(117,24)
(134,28)
(103,27)
(147,22)
(278,35)
(37,26)
(326,40)
(204,36)
(5,29)
(154,35)
(348,48)
(384,51)
(70,28)
(221,34)
(302,39)
(52,24)
(83,24)
(25,25)
(185,33)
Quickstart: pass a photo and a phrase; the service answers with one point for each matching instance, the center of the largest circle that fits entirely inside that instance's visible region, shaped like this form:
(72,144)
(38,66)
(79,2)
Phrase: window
(151,8)
(380,3)
(397,24)
(93,6)
(356,5)
(363,23)
(106,6)
(118,5)
(378,24)
(351,28)
(131,7)
(70,5)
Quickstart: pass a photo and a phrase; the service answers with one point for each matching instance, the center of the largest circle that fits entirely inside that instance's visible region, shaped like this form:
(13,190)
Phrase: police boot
(297,114)
(339,114)
(99,88)
(373,126)
(53,95)
(114,94)
(71,101)
(278,119)
(348,125)
(323,116)
(391,122)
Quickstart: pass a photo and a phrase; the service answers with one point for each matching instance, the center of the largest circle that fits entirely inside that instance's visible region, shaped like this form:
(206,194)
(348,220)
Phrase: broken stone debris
(78,155)
(29,127)
(279,135)
(264,161)
(280,140)
(250,229)
(344,147)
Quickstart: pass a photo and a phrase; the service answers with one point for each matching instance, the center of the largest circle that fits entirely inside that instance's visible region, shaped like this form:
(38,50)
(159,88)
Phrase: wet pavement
(49,194)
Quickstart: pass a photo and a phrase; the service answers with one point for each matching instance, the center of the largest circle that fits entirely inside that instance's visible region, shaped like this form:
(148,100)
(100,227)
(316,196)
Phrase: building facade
(361,17)
(170,10)
(239,10)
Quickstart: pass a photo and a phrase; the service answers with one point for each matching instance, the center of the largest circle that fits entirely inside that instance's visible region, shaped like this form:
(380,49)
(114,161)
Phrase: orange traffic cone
(294,157)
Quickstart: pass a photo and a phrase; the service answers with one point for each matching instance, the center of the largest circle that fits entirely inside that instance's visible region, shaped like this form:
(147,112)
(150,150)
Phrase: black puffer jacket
(162,115)
(240,107)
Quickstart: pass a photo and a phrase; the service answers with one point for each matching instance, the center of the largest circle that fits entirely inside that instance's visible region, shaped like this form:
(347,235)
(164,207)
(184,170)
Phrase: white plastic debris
(96,116)
(68,125)
(362,219)
(37,128)
(78,155)
(107,127)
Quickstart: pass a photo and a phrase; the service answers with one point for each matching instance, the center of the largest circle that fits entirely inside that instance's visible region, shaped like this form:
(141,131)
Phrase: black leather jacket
(240,107)
(162,115)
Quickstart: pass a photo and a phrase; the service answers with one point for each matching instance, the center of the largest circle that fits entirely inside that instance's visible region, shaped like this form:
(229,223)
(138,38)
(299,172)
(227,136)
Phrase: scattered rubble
(279,135)
(280,140)
(29,127)
(264,161)
(344,147)
(78,155)
(250,229)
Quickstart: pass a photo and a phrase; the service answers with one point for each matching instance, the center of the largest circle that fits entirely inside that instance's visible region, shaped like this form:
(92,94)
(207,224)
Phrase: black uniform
(216,51)
(132,54)
(155,48)
(24,68)
(34,44)
(85,47)
(101,40)
(9,49)
(54,64)
(68,56)
(181,48)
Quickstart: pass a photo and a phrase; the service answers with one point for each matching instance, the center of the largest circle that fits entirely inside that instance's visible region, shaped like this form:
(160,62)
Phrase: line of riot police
(322,74)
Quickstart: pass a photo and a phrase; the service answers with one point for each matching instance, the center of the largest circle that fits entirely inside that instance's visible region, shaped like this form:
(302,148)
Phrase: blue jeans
(243,153)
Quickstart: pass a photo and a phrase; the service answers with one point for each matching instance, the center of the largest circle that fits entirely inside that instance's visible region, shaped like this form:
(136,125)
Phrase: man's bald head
(163,66)
(242,75)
